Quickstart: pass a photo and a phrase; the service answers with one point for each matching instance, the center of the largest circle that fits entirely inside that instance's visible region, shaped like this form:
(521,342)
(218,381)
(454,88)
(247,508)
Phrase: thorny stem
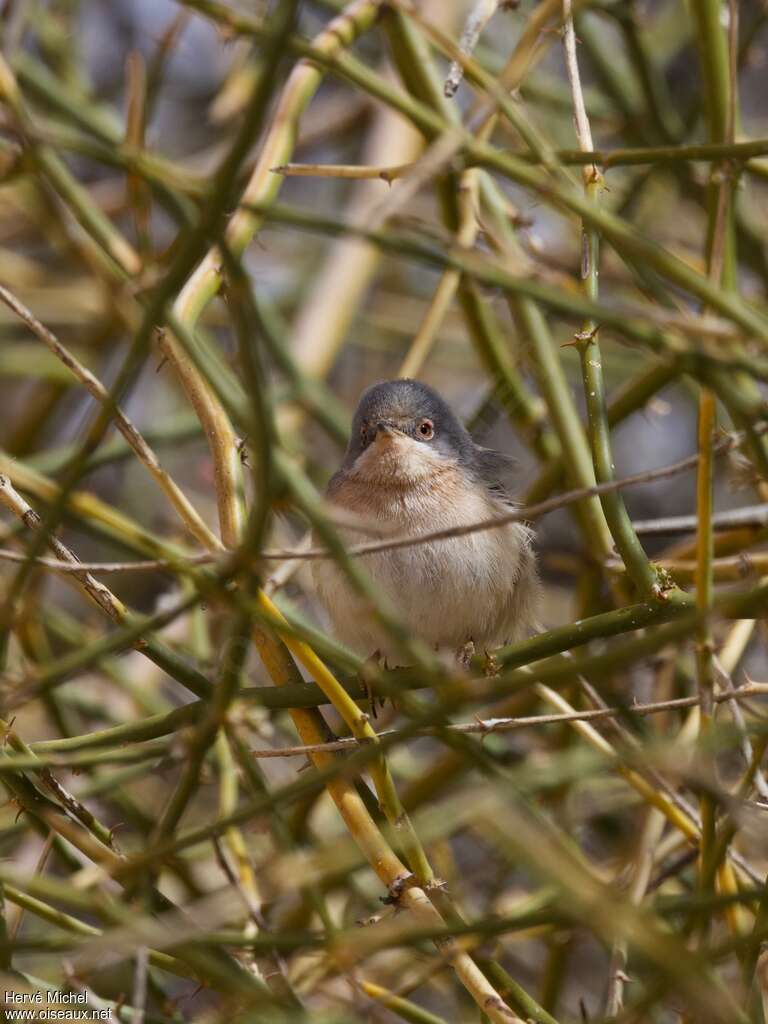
(639,568)
(721,104)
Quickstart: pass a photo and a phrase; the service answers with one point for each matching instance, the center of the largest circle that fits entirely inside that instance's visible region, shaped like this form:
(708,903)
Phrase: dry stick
(144,452)
(650,835)
(220,435)
(751,515)
(45,852)
(486,726)
(139,997)
(138,196)
(358,172)
(103,596)
(449,282)
(478,18)
(67,800)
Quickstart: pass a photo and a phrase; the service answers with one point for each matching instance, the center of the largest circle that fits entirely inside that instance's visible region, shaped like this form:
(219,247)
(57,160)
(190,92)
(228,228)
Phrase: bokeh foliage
(219,224)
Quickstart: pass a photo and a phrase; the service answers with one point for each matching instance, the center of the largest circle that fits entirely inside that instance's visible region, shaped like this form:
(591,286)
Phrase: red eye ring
(427,429)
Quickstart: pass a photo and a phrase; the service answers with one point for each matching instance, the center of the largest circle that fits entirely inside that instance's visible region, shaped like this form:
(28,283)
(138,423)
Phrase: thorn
(396,889)
(115,828)
(242,450)
(587,335)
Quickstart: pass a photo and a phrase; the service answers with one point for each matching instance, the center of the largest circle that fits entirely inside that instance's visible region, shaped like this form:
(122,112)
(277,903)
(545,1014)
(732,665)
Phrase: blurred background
(171,80)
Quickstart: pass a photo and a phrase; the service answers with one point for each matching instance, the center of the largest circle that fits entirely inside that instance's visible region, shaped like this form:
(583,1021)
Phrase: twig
(449,282)
(484,727)
(276,975)
(102,595)
(652,830)
(730,691)
(139,998)
(718,62)
(753,515)
(734,567)
(603,158)
(478,18)
(583,130)
(358,172)
(144,452)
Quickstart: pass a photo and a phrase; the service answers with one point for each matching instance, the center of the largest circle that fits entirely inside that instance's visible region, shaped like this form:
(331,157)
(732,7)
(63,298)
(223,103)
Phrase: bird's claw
(368,672)
(465,653)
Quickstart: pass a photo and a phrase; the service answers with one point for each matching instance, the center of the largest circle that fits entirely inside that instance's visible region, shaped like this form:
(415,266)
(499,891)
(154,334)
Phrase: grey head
(418,411)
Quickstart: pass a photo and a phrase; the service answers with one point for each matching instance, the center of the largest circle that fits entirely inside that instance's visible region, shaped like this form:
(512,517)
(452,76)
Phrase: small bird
(411,467)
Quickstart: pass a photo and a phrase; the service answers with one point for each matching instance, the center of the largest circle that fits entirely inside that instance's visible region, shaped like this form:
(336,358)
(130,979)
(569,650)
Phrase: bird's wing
(496,472)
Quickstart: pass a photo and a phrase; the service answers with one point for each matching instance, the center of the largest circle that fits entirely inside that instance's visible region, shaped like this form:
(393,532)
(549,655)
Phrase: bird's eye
(427,429)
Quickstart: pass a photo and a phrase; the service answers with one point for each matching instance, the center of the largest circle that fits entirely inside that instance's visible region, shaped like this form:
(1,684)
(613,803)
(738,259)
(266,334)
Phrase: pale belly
(481,588)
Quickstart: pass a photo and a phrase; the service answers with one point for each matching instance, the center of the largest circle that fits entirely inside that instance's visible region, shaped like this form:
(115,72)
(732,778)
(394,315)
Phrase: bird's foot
(369,671)
(465,654)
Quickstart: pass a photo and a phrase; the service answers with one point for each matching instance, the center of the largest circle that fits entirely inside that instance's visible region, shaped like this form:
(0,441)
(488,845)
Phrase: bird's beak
(386,431)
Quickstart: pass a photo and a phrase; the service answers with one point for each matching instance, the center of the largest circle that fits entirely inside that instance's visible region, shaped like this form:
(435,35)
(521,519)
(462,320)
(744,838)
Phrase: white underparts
(481,587)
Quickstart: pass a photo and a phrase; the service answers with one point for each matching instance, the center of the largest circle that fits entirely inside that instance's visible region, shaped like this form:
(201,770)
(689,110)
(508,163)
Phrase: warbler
(412,468)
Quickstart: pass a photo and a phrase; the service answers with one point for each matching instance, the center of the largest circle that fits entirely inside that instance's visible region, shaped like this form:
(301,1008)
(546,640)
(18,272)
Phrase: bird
(411,467)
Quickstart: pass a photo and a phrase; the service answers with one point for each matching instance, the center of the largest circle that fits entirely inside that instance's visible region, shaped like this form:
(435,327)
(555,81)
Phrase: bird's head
(403,431)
